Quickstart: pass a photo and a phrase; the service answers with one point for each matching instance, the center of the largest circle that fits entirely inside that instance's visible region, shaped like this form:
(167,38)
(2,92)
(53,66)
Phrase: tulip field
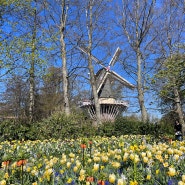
(124,160)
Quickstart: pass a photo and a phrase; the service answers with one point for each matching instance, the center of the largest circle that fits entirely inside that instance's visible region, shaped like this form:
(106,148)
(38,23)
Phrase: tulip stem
(22,174)
(83,153)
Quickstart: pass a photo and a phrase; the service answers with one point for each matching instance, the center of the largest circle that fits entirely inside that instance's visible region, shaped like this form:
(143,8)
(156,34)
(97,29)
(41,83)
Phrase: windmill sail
(101,80)
(85,50)
(115,57)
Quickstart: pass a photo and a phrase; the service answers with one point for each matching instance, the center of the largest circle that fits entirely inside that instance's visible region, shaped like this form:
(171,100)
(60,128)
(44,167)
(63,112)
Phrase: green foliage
(13,129)
(171,74)
(129,126)
(126,126)
(60,126)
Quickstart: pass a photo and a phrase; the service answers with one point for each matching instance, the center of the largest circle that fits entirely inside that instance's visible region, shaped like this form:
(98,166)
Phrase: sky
(107,42)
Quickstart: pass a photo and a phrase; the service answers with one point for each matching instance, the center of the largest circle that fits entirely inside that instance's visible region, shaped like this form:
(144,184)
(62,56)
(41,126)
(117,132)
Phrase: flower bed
(127,160)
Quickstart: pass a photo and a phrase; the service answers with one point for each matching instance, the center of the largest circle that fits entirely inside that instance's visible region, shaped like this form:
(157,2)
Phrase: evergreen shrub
(60,126)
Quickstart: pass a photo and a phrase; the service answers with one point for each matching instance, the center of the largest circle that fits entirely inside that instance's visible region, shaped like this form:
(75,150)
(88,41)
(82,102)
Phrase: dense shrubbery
(59,126)
(125,126)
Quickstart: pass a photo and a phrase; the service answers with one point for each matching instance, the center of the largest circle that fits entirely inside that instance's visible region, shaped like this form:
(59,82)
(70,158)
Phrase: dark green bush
(127,126)
(13,129)
(60,126)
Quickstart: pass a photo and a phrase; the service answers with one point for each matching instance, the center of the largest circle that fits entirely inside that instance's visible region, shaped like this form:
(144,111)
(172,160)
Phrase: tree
(26,45)
(171,35)
(89,17)
(93,34)
(64,10)
(15,98)
(32,66)
(59,26)
(172,90)
(136,21)
(51,92)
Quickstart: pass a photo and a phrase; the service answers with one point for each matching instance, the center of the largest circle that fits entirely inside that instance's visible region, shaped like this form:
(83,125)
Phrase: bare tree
(64,9)
(136,21)
(15,98)
(89,17)
(32,68)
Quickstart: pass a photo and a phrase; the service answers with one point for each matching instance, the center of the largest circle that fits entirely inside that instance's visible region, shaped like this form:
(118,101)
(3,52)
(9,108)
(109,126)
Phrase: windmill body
(106,89)
(110,107)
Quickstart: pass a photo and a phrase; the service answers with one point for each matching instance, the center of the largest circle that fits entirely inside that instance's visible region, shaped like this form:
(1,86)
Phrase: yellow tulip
(121,182)
(62,172)
(3,182)
(75,168)
(82,172)
(143,154)
(133,183)
(68,164)
(149,154)
(96,159)
(157,171)
(148,177)
(63,161)
(181,183)
(116,164)
(105,159)
(176,157)
(132,156)
(69,180)
(81,178)
(6,176)
(112,178)
(183,178)
(171,172)
(28,169)
(71,155)
(170,151)
(145,159)
(165,164)
(125,157)
(96,167)
(89,160)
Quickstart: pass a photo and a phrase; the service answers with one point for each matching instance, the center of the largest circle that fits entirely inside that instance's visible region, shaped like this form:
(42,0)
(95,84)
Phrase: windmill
(109,106)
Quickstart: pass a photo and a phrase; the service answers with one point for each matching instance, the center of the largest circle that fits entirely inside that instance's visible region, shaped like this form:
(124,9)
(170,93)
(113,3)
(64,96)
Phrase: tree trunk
(90,66)
(32,93)
(140,88)
(32,73)
(63,55)
(179,110)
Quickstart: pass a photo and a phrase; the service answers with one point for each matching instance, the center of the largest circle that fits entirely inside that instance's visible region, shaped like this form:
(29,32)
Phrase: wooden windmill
(110,107)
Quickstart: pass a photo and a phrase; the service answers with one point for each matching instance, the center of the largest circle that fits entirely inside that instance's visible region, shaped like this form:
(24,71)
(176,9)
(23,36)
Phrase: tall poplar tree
(25,51)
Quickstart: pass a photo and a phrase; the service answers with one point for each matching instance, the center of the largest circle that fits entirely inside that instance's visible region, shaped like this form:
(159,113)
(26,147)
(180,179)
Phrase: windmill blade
(122,80)
(102,81)
(85,50)
(115,57)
